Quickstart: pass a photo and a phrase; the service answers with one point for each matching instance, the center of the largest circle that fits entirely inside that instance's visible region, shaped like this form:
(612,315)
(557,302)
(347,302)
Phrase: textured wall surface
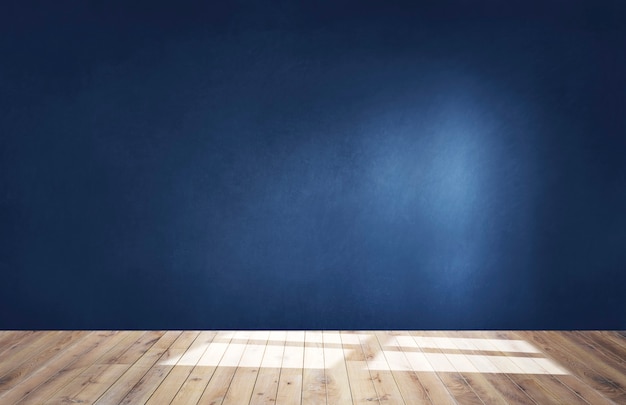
(307,165)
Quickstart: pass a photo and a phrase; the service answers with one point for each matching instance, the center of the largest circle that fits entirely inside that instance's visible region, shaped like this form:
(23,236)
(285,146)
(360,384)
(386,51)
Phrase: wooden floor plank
(145,387)
(408,382)
(20,352)
(56,372)
(242,384)
(484,361)
(313,367)
(470,370)
(218,385)
(336,377)
(508,354)
(108,370)
(196,382)
(455,383)
(603,343)
(183,366)
(10,337)
(313,373)
(290,381)
(572,363)
(594,359)
(138,348)
(116,352)
(138,370)
(540,369)
(599,354)
(17,342)
(266,387)
(42,353)
(362,387)
(380,372)
(433,386)
(68,392)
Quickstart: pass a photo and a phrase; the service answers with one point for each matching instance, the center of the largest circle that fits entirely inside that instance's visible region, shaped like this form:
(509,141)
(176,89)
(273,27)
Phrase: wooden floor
(312,367)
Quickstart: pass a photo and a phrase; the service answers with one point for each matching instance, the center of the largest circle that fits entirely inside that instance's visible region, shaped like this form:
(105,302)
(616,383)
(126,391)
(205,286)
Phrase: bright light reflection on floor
(398,353)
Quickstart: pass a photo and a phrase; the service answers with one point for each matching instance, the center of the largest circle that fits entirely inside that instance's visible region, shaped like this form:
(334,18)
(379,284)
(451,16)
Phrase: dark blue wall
(300,165)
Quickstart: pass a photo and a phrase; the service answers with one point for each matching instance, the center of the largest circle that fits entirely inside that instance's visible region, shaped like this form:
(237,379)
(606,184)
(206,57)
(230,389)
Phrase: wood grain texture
(362,387)
(312,367)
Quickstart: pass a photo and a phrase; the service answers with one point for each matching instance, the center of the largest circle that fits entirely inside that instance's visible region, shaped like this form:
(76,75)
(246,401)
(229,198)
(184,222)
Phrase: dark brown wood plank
(593,358)
(572,363)
(605,350)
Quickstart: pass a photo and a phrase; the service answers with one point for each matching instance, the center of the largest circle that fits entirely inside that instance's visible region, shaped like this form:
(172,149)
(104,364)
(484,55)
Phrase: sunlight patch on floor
(398,353)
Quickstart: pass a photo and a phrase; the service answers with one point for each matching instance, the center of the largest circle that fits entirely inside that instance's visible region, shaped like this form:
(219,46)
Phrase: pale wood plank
(216,389)
(336,375)
(139,348)
(425,374)
(242,384)
(104,372)
(172,383)
(146,386)
(131,338)
(290,382)
(454,382)
(42,353)
(17,343)
(266,387)
(9,337)
(313,374)
(499,366)
(381,375)
(188,339)
(498,376)
(408,382)
(139,368)
(108,372)
(468,368)
(195,384)
(361,384)
(55,372)
(68,392)
(20,352)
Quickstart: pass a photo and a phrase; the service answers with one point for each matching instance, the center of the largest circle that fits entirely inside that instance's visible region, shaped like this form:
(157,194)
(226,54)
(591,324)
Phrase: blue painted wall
(307,165)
